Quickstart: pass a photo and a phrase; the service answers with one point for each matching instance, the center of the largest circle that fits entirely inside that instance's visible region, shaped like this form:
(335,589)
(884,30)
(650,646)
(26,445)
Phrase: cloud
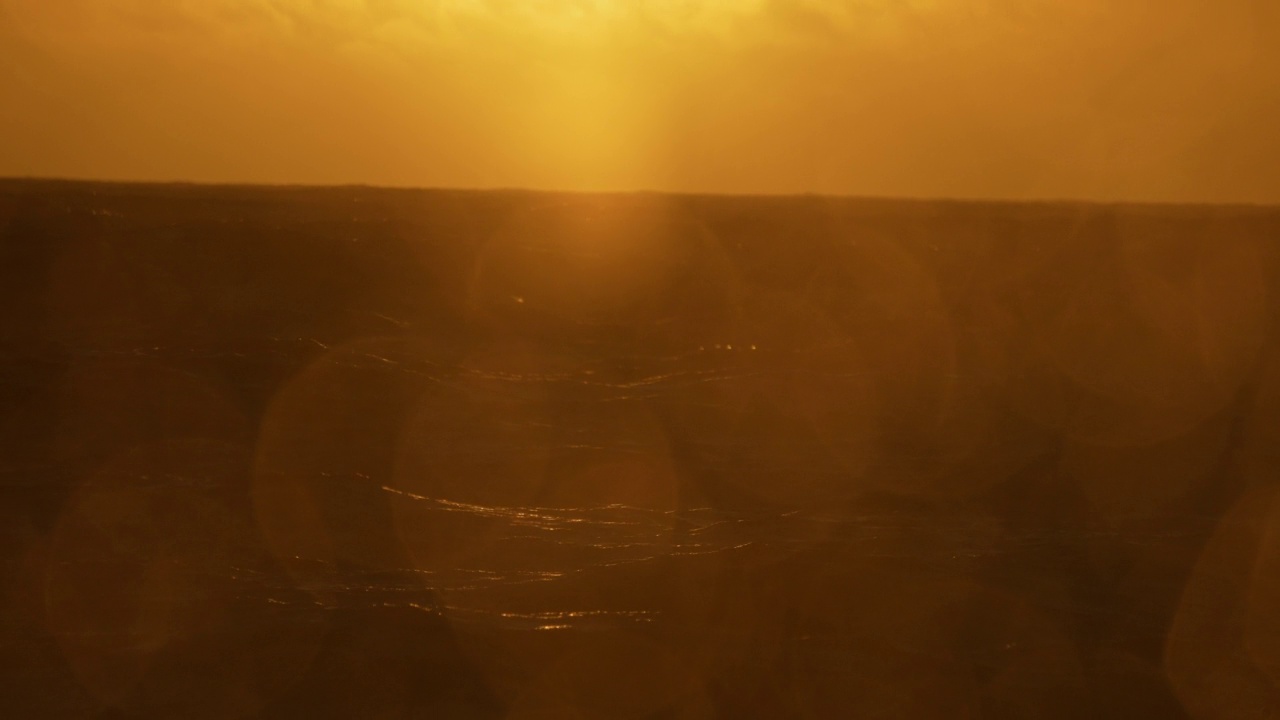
(585,21)
(951,97)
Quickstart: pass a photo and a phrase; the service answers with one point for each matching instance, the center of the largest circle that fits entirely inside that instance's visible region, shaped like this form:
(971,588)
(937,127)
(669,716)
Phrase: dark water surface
(428,454)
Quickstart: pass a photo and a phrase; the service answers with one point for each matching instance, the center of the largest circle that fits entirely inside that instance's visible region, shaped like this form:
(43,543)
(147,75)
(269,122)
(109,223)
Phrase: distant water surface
(348,452)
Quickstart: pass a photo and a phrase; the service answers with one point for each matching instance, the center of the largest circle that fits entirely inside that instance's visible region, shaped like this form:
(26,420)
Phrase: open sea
(370,453)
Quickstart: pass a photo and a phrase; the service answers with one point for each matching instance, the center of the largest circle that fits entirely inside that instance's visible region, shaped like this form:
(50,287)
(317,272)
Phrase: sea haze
(352,452)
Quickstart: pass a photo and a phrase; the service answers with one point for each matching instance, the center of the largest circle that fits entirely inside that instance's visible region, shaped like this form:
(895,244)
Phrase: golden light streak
(1006,98)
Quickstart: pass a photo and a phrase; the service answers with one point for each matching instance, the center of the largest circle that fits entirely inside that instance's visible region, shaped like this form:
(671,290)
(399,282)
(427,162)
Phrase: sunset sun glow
(513,359)
(1000,98)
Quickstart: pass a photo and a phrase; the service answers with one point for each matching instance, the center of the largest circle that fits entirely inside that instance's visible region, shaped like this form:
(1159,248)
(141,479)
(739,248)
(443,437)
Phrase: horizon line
(969,200)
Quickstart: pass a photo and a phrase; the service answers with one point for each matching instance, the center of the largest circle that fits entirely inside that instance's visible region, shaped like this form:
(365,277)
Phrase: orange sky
(1154,100)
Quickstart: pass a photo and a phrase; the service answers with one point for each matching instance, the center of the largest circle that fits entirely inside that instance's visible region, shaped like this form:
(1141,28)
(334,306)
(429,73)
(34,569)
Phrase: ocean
(357,452)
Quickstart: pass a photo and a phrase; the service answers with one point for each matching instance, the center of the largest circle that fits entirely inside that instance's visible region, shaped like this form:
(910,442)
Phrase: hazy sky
(1142,99)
